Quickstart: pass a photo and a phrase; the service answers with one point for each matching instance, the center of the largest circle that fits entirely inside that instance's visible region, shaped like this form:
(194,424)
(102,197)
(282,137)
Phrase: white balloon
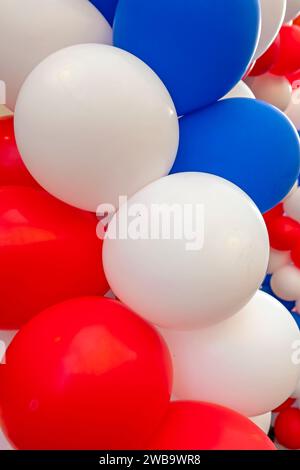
(4,443)
(292,205)
(240,90)
(293,110)
(194,268)
(101,119)
(277,260)
(285,283)
(296,393)
(33,29)
(292,10)
(6,337)
(246,362)
(272,17)
(292,191)
(272,89)
(263,421)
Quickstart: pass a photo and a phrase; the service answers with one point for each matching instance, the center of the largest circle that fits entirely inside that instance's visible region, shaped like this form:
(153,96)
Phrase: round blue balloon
(245,141)
(107,8)
(199,48)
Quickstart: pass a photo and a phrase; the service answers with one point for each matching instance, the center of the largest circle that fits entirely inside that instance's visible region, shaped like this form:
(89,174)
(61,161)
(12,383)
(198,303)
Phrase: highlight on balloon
(149,230)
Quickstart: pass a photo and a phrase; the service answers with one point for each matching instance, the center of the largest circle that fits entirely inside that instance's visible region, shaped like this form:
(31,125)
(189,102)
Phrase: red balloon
(284,232)
(294,79)
(12,168)
(277,211)
(204,426)
(287,428)
(285,405)
(49,252)
(85,374)
(267,60)
(289,53)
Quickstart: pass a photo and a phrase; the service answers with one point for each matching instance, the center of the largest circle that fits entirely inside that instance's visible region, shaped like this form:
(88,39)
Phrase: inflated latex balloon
(267,60)
(285,282)
(272,89)
(278,259)
(103,122)
(37,28)
(292,205)
(293,110)
(205,426)
(284,232)
(12,168)
(48,252)
(287,428)
(289,53)
(189,44)
(295,255)
(272,17)
(241,90)
(292,10)
(242,140)
(171,260)
(245,362)
(263,422)
(107,8)
(4,444)
(85,374)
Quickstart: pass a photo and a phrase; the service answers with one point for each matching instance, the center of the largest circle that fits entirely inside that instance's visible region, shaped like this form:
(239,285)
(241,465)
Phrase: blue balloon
(289,305)
(245,141)
(199,48)
(296,317)
(107,8)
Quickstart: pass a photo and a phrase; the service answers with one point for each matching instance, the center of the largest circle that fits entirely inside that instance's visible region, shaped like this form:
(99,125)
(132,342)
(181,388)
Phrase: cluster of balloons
(96,101)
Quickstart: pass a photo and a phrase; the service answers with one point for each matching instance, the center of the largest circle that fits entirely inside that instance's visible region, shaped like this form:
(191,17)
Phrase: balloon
(283,232)
(243,141)
(241,90)
(32,32)
(189,44)
(292,10)
(171,277)
(107,8)
(291,192)
(296,393)
(204,426)
(285,282)
(289,53)
(85,374)
(49,252)
(12,168)
(267,60)
(272,89)
(272,17)
(245,362)
(293,110)
(287,428)
(292,205)
(4,444)
(114,123)
(263,422)
(277,260)
(273,213)
(285,405)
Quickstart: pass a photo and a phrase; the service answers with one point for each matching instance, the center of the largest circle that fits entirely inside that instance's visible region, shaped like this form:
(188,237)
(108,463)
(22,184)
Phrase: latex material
(32,32)
(285,282)
(293,110)
(292,205)
(242,140)
(267,60)
(107,8)
(171,279)
(287,428)
(48,252)
(277,260)
(289,59)
(191,56)
(114,123)
(284,232)
(292,10)
(272,17)
(204,426)
(272,89)
(12,168)
(240,90)
(263,422)
(209,363)
(92,375)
